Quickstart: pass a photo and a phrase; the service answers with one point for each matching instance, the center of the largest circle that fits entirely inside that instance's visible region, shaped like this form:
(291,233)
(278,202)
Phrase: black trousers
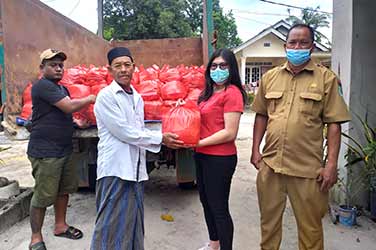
(214,174)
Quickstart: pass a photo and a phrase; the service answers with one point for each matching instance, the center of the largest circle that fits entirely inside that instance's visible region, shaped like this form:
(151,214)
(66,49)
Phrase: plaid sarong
(120,215)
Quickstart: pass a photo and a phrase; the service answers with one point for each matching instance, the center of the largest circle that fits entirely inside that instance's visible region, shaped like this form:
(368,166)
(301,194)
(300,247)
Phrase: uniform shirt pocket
(274,101)
(310,103)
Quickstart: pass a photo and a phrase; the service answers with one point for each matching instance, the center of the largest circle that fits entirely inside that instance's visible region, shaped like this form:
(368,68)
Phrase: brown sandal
(71,233)
(38,246)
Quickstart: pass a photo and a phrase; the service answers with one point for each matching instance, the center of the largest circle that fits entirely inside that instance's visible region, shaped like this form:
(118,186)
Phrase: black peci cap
(118,52)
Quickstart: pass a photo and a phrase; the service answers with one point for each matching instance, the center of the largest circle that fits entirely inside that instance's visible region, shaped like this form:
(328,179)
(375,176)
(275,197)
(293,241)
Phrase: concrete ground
(162,196)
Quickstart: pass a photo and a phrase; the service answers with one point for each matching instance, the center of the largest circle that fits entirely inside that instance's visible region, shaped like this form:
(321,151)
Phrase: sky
(252,16)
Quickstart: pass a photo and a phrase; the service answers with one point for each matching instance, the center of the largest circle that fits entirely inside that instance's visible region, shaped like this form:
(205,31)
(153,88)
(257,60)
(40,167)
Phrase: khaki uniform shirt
(297,107)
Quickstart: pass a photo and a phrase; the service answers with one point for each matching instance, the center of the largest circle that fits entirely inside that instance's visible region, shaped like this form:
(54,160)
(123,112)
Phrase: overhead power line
(74,8)
(258,13)
(295,7)
(254,20)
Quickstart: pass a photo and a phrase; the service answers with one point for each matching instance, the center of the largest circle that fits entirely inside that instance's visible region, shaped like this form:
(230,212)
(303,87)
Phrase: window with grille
(255,74)
(247,75)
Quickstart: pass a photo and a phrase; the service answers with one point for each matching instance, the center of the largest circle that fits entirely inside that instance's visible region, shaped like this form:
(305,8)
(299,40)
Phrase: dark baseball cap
(118,52)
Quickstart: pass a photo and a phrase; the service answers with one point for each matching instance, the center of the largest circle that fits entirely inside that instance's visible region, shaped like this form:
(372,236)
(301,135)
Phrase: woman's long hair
(233,79)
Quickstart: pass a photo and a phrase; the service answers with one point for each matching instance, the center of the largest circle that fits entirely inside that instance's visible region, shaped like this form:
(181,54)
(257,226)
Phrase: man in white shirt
(121,167)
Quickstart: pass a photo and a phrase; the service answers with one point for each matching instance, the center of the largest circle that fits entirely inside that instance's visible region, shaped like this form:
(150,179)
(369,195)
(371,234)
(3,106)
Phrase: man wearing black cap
(121,168)
(50,148)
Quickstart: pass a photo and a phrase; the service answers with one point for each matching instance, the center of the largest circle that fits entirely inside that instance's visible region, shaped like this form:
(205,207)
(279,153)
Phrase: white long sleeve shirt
(123,138)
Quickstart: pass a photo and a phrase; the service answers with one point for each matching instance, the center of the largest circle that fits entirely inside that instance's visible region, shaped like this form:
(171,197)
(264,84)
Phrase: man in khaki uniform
(294,102)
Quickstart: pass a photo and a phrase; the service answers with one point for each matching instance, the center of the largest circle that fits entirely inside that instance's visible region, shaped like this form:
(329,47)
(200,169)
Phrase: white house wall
(341,65)
(257,49)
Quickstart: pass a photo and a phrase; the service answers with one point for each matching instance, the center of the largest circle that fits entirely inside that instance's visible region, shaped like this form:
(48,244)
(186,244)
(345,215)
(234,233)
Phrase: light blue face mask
(219,76)
(298,56)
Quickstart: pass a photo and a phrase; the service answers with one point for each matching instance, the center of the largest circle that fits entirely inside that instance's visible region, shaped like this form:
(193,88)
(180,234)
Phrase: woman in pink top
(221,105)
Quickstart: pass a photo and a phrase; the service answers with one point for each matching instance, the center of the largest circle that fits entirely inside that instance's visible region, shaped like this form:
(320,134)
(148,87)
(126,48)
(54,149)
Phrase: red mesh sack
(167,106)
(26,96)
(186,78)
(197,80)
(193,95)
(75,75)
(26,110)
(168,75)
(109,78)
(152,110)
(78,91)
(149,90)
(148,74)
(135,77)
(91,115)
(183,120)
(96,76)
(96,88)
(173,90)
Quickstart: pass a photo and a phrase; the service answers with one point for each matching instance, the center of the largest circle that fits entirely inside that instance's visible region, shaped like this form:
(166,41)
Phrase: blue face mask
(298,56)
(219,76)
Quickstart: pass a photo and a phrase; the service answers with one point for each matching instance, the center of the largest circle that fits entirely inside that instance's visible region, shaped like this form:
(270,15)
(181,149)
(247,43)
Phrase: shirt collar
(309,67)
(116,87)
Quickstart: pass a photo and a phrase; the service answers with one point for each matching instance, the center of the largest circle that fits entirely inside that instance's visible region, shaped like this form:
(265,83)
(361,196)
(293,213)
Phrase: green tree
(146,19)
(194,12)
(224,23)
(314,19)
(227,30)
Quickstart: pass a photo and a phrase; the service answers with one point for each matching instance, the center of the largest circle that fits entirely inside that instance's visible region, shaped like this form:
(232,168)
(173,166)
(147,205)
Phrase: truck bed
(92,132)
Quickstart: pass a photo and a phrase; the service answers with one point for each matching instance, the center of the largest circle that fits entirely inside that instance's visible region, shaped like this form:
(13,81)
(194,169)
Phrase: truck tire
(187,185)
(150,165)
(92,169)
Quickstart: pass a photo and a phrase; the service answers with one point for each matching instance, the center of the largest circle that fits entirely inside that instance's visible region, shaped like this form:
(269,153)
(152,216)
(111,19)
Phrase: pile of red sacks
(160,88)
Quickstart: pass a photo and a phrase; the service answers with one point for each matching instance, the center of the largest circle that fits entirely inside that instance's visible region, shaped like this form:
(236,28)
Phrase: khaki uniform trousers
(309,205)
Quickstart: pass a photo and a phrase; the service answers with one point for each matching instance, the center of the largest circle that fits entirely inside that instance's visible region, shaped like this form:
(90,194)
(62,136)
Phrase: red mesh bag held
(77,91)
(183,120)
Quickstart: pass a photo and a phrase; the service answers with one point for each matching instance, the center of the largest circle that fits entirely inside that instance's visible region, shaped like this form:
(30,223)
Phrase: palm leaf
(356,143)
(367,130)
(353,161)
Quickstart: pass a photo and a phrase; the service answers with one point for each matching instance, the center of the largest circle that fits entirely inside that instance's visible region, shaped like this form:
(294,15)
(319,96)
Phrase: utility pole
(207,30)
(100,18)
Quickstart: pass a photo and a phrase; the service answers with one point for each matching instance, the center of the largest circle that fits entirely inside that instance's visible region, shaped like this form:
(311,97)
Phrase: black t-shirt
(52,129)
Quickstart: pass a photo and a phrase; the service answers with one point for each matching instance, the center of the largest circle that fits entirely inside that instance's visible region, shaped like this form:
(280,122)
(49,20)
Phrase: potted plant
(363,155)
(351,185)
(346,212)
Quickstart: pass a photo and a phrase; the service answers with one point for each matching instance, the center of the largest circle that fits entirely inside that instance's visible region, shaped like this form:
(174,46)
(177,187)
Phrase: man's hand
(81,123)
(328,177)
(92,98)
(171,141)
(256,158)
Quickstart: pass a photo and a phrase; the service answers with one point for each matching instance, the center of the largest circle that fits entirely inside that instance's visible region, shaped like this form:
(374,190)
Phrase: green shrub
(251,97)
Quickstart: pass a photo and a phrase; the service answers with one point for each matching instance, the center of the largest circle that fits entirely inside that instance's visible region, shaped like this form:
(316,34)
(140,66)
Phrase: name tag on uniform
(313,86)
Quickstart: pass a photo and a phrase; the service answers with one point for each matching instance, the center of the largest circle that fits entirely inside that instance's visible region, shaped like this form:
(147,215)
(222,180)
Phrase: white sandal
(207,247)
